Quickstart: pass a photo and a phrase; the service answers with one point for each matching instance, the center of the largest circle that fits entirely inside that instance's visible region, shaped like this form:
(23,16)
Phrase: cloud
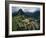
(25,9)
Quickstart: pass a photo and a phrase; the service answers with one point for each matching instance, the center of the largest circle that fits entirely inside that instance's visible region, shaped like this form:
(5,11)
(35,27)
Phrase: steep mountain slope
(21,12)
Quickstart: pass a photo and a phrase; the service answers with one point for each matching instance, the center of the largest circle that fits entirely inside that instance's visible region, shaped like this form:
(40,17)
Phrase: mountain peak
(20,12)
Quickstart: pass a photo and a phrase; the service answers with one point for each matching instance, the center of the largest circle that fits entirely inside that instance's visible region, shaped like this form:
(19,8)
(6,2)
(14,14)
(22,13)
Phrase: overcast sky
(25,9)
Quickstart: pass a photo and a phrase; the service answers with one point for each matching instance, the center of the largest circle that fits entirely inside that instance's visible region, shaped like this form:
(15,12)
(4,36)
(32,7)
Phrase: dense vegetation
(22,21)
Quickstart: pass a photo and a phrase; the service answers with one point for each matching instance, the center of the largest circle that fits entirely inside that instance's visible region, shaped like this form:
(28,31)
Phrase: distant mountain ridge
(21,12)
